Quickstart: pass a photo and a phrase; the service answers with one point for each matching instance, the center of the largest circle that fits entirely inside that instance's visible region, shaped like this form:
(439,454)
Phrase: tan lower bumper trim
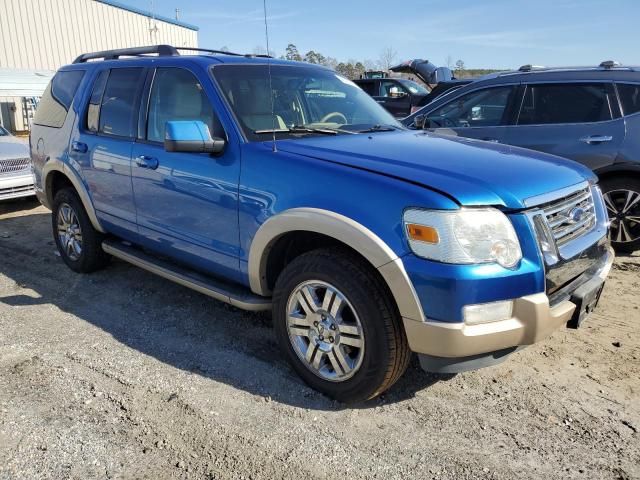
(533,319)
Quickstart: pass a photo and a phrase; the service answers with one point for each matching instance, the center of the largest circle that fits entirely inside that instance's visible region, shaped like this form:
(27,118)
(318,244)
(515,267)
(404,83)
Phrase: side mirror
(395,92)
(191,136)
(419,121)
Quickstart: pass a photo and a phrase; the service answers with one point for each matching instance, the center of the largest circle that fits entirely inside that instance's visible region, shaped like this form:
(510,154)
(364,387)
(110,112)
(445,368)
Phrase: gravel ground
(122,374)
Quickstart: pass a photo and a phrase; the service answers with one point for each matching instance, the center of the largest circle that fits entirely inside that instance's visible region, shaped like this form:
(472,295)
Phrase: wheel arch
(618,169)
(55,171)
(341,230)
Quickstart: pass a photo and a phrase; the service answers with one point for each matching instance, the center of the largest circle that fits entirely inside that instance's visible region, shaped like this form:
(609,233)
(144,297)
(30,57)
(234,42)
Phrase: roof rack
(224,52)
(528,68)
(160,50)
(608,64)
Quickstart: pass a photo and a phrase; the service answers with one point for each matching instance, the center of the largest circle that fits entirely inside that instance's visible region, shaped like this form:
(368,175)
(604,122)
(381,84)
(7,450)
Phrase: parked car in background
(16,179)
(281,185)
(399,96)
(590,115)
(402,97)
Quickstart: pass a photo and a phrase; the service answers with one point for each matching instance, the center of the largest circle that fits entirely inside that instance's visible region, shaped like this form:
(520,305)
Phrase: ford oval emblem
(576,214)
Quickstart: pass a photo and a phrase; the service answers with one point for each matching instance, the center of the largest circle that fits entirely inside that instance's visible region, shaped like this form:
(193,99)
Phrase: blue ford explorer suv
(279,185)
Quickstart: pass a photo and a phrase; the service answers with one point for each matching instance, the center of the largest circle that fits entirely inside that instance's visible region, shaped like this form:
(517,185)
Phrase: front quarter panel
(274,182)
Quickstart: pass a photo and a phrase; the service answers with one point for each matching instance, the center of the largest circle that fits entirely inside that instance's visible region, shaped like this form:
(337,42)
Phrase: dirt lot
(121,374)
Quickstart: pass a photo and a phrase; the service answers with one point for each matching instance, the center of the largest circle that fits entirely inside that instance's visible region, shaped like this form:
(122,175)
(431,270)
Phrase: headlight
(465,236)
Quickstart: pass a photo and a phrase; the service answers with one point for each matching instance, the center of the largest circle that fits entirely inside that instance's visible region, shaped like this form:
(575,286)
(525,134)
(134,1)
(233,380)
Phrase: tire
(622,199)
(68,214)
(361,312)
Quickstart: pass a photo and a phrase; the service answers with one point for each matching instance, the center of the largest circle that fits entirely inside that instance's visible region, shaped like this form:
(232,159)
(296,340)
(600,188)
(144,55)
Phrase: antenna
(273,106)
(153,26)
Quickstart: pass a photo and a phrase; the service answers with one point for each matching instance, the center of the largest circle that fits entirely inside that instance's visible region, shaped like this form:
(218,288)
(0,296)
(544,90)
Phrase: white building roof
(23,83)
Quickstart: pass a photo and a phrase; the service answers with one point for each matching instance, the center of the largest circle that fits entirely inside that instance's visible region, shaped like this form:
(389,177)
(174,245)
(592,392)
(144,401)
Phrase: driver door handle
(595,139)
(144,161)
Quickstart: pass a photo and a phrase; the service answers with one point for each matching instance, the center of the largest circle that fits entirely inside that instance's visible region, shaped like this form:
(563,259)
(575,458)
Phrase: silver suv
(587,114)
(16,179)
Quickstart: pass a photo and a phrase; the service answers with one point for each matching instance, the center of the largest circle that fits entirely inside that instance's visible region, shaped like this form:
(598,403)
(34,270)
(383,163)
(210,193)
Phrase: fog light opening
(487,312)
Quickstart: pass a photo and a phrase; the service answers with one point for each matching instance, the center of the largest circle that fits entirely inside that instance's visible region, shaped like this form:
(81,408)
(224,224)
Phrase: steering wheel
(447,122)
(326,118)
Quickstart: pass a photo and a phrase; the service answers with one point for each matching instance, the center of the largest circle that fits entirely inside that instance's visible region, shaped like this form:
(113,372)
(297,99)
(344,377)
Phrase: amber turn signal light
(422,233)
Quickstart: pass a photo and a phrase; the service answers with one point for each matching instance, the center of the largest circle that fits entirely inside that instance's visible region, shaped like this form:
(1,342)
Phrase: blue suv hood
(472,172)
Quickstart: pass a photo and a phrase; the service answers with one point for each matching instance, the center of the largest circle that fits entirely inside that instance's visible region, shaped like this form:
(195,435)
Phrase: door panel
(576,121)
(187,203)
(102,146)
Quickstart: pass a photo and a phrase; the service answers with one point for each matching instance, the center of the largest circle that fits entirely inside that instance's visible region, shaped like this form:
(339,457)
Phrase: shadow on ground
(166,321)
(18,205)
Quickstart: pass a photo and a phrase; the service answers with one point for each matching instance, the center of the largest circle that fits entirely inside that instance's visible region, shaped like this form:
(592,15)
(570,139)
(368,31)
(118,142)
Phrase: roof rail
(224,52)
(607,64)
(528,67)
(161,50)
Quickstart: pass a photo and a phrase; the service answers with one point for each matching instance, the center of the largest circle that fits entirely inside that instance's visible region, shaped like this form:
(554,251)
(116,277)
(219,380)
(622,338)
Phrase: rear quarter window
(57,98)
(546,104)
(629,97)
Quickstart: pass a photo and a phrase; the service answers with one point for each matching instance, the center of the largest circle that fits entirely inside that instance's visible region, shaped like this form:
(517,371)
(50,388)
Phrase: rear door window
(57,98)
(629,97)
(546,104)
(119,106)
(93,111)
(369,87)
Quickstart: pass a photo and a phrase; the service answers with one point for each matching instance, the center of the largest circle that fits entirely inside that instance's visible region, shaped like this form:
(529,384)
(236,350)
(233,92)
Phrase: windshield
(3,132)
(414,87)
(306,101)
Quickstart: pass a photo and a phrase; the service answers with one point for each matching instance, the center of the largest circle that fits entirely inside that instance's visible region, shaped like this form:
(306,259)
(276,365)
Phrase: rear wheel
(622,199)
(338,325)
(79,244)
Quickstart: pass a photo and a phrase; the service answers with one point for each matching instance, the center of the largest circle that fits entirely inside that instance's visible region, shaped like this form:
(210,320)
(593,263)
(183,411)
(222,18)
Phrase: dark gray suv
(587,114)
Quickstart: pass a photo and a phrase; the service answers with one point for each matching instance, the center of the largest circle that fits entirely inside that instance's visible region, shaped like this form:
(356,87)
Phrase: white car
(16,179)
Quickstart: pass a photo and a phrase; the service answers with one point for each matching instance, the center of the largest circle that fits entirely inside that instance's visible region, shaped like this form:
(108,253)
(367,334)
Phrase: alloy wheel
(69,232)
(623,207)
(325,331)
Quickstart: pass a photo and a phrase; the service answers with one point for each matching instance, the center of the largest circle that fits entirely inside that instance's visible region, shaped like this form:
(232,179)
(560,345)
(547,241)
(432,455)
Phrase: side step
(220,290)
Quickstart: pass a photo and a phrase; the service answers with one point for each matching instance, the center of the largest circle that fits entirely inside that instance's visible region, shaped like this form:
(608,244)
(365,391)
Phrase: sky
(482,33)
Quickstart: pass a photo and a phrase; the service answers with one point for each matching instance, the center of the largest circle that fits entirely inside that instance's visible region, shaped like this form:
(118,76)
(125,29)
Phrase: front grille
(571,217)
(14,165)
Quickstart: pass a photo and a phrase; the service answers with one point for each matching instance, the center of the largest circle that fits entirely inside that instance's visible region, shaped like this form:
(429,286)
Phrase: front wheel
(622,199)
(339,326)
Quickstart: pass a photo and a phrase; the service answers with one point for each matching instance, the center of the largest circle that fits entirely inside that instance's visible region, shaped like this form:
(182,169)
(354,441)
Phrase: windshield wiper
(379,128)
(297,129)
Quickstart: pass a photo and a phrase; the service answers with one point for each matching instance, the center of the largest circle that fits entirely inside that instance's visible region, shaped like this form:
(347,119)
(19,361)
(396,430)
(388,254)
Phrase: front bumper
(534,318)
(15,186)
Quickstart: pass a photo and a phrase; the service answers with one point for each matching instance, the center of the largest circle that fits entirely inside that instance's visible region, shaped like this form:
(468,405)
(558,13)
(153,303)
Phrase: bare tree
(460,66)
(387,58)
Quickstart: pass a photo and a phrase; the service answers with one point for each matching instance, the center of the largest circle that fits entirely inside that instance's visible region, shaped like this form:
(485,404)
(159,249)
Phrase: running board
(220,290)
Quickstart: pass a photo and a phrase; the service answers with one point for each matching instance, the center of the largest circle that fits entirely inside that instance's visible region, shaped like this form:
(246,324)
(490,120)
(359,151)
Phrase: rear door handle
(492,140)
(143,161)
(595,139)
(79,147)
